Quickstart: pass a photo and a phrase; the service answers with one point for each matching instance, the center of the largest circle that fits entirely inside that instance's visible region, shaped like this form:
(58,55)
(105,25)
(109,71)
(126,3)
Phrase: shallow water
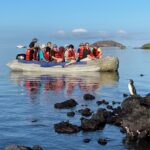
(27,101)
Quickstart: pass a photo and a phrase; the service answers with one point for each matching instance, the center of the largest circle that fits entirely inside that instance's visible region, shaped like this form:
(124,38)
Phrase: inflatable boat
(110,64)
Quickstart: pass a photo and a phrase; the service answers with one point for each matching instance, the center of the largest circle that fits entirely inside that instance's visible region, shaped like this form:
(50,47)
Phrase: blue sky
(64,20)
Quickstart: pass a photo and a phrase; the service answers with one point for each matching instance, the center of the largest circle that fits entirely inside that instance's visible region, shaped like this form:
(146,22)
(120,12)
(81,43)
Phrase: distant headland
(146,46)
(108,43)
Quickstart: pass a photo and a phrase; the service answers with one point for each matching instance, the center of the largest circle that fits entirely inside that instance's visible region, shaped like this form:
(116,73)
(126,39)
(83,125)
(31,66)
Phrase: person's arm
(42,56)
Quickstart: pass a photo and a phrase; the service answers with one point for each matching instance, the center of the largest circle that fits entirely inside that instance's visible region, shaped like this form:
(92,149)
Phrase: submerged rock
(88,97)
(66,127)
(86,140)
(100,102)
(85,112)
(66,104)
(102,141)
(70,114)
(19,147)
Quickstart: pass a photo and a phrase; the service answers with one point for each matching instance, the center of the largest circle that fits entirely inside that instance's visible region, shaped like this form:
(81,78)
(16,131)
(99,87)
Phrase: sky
(75,20)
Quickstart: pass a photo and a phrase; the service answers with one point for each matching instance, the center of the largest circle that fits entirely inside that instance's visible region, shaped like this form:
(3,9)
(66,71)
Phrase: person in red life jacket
(47,53)
(70,56)
(84,52)
(30,53)
(62,52)
(97,52)
(55,54)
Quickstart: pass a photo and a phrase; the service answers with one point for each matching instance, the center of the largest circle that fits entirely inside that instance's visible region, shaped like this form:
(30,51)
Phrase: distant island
(108,43)
(146,46)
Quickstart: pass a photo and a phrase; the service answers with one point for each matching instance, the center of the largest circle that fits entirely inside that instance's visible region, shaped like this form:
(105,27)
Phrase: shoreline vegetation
(146,46)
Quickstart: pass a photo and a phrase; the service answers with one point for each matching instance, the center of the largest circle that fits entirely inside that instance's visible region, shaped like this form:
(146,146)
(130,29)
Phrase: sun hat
(43,46)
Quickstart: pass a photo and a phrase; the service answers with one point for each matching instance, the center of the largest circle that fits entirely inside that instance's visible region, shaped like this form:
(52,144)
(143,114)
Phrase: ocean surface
(27,112)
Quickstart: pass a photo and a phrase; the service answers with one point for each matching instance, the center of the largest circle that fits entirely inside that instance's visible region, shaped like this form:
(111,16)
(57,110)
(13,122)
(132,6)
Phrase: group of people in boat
(51,52)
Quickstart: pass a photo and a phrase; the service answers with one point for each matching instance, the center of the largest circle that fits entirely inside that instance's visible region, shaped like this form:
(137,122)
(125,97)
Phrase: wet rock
(66,104)
(109,107)
(17,147)
(125,95)
(71,114)
(85,112)
(114,103)
(34,120)
(141,75)
(88,97)
(84,105)
(135,118)
(100,102)
(117,110)
(86,140)
(37,147)
(102,141)
(96,122)
(66,127)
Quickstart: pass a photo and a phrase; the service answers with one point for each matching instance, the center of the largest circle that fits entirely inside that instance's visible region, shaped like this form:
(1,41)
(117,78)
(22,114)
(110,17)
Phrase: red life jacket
(28,54)
(35,55)
(57,54)
(96,52)
(81,51)
(71,54)
(47,55)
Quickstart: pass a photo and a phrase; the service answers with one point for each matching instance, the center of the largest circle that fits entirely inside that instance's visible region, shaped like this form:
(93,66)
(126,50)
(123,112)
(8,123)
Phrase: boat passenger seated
(62,52)
(30,52)
(41,53)
(70,56)
(47,53)
(97,52)
(84,52)
(55,54)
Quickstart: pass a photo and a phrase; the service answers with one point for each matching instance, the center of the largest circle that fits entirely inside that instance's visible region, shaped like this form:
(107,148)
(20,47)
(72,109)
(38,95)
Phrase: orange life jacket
(96,52)
(81,51)
(71,54)
(28,54)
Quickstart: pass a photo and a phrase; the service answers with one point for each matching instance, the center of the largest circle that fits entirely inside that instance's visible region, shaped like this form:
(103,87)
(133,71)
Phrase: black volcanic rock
(96,122)
(88,97)
(66,104)
(102,141)
(86,140)
(19,147)
(70,114)
(135,118)
(108,44)
(66,127)
(85,112)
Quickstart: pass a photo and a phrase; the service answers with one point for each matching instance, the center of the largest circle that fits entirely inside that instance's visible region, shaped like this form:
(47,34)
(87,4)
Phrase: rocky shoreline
(132,116)
(129,116)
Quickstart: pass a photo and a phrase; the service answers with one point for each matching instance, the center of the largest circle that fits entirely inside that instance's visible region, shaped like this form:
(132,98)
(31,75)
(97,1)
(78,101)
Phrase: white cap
(43,46)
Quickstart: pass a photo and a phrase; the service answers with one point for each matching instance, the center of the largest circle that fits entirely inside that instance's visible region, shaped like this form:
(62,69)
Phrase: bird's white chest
(130,89)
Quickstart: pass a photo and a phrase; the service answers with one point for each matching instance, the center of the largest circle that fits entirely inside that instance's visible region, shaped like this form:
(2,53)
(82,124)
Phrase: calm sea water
(27,113)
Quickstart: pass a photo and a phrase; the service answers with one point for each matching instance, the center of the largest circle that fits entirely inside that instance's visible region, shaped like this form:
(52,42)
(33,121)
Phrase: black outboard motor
(21,57)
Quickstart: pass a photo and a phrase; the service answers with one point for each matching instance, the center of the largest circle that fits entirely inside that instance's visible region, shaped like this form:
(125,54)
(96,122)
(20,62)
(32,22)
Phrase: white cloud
(121,32)
(61,32)
(79,30)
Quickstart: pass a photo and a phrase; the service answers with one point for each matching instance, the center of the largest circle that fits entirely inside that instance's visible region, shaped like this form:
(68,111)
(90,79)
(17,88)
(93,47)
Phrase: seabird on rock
(131,87)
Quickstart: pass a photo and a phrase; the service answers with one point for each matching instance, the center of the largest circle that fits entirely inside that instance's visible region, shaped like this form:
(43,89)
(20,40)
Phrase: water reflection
(86,82)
